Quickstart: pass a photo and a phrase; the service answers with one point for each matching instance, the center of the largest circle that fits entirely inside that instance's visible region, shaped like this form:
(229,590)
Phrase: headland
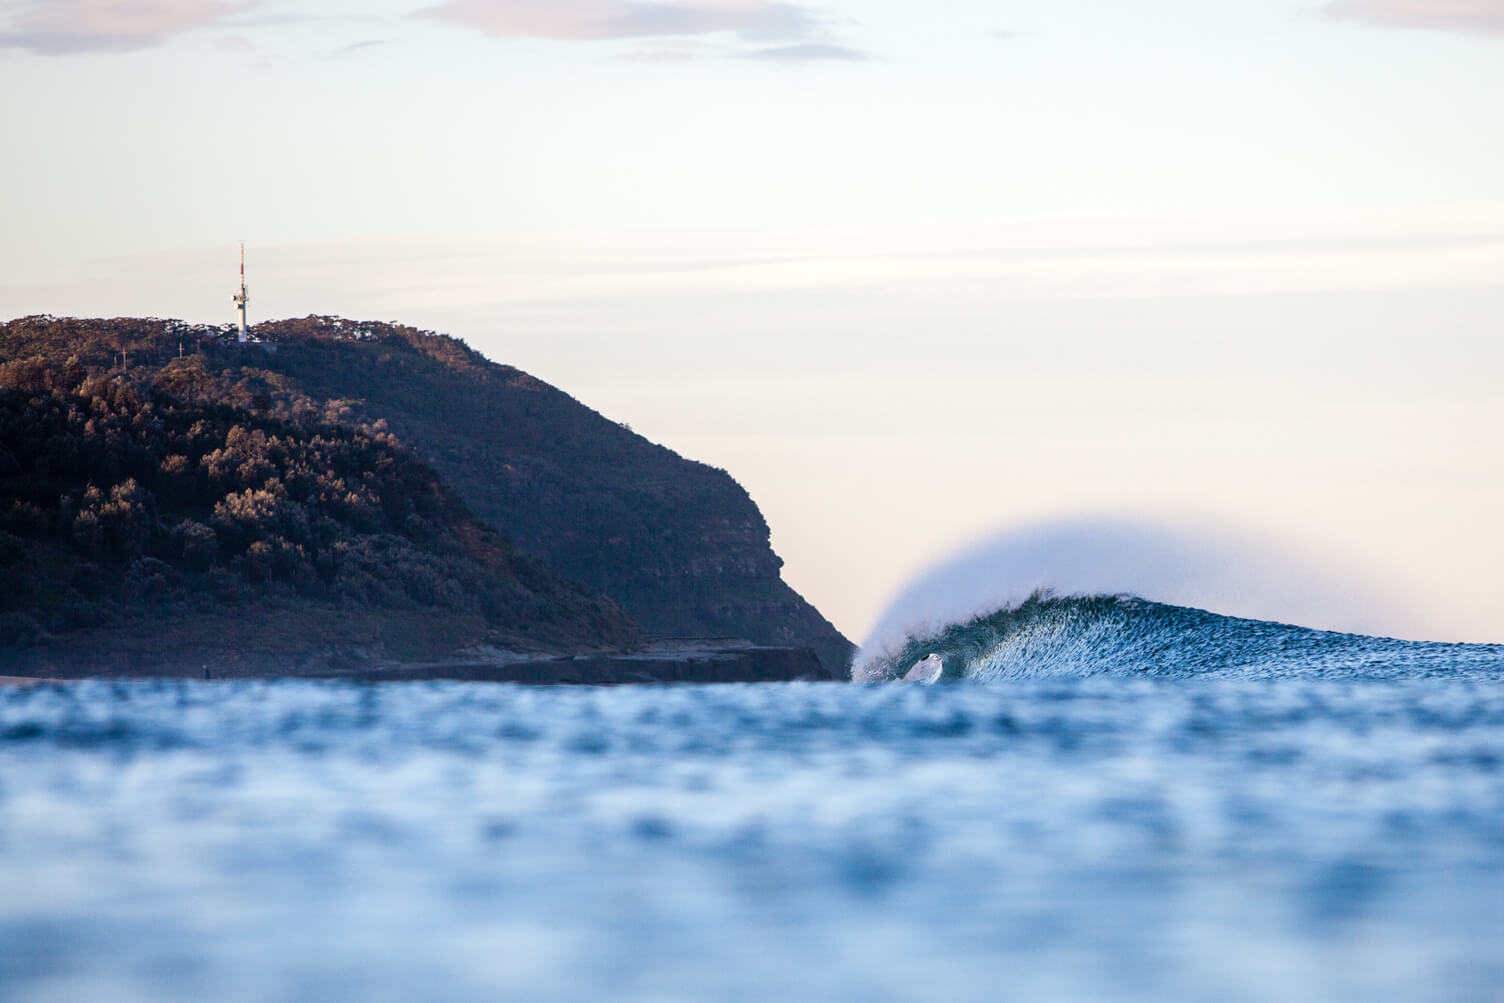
(335,497)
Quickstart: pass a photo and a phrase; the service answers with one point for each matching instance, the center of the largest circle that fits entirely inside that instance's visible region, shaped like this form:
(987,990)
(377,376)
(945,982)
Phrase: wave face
(1047,636)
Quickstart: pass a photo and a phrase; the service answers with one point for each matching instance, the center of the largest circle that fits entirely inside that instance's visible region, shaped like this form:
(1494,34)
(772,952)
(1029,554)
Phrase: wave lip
(1051,636)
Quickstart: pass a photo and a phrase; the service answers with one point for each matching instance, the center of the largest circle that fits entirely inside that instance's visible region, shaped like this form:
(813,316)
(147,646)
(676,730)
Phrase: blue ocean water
(1103,799)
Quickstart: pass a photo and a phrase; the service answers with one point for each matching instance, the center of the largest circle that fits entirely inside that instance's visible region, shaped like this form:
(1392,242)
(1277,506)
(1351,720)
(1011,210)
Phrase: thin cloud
(673,50)
(354,47)
(807,53)
(234,43)
(62,27)
(1473,17)
(767,29)
(582,20)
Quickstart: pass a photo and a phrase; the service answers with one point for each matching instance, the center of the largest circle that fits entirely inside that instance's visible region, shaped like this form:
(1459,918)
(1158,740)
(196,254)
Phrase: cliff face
(677,544)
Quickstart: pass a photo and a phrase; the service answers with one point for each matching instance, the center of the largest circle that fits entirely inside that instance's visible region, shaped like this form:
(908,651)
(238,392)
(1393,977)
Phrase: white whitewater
(927,670)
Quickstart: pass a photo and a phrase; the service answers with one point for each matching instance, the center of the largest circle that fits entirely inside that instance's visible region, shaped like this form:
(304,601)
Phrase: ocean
(1099,799)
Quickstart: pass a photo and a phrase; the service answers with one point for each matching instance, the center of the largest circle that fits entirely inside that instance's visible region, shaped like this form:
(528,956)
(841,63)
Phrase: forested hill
(134,521)
(677,544)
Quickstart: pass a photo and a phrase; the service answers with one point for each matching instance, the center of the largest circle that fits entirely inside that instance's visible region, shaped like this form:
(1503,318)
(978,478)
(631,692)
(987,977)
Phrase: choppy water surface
(1083,838)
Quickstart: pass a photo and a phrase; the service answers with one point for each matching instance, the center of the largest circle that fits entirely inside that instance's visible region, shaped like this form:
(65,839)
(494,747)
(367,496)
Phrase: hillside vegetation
(125,507)
(677,544)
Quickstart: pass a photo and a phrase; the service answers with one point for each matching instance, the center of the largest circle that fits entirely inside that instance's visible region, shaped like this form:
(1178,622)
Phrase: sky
(916,275)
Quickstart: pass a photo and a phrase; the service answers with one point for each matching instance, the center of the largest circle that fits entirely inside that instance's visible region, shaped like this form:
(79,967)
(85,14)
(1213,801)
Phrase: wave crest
(1050,636)
(1195,565)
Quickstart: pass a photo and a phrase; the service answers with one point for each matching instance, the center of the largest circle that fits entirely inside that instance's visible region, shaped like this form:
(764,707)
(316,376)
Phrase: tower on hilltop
(241,299)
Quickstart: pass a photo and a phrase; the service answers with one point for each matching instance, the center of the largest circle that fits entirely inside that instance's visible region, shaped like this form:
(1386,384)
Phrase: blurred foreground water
(1074,839)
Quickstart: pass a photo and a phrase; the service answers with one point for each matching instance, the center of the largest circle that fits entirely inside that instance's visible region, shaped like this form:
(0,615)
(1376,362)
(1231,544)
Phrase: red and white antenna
(240,299)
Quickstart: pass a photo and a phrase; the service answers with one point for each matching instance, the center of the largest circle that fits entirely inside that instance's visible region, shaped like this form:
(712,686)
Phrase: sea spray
(1197,565)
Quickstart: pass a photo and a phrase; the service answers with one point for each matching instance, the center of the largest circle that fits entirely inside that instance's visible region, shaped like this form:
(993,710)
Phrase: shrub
(259,514)
(88,531)
(255,565)
(150,581)
(224,585)
(118,525)
(177,480)
(89,580)
(196,544)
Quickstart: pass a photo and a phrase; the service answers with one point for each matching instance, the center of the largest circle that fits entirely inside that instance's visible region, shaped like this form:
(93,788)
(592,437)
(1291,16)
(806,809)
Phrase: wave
(1203,565)
(1090,595)
(1052,636)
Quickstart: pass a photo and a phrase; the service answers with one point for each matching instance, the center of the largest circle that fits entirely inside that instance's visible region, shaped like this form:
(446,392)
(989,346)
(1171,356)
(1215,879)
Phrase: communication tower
(241,299)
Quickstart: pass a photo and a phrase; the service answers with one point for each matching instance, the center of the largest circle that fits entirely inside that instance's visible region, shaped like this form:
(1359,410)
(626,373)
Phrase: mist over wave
(1201,567)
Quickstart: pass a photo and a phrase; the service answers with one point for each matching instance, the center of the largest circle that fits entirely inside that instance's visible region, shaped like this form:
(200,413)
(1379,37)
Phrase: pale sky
(914,274)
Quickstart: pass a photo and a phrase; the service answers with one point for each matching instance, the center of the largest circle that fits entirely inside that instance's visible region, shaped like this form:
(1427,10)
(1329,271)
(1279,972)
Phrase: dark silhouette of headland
(335,498)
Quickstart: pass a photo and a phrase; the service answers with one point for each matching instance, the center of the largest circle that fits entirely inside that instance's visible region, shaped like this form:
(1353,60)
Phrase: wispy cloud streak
(809,52)
(767,29)
(1474,17)
(61,27)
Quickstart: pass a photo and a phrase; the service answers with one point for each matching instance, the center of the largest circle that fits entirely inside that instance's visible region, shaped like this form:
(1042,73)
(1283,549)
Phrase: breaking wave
(1086,597)
(1048,636)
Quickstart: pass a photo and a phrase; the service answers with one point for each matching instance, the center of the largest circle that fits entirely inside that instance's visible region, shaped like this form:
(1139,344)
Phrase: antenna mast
(240,299)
